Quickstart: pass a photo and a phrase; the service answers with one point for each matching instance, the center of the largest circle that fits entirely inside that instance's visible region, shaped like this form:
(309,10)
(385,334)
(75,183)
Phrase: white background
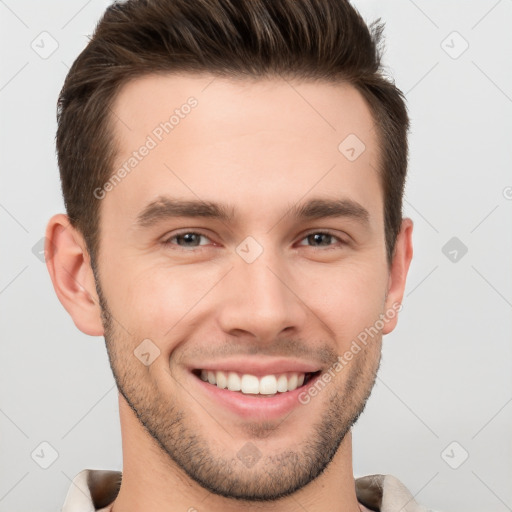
(446,371)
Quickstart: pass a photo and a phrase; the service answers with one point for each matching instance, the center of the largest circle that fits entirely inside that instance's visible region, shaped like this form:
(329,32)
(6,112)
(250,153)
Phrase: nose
(260,300)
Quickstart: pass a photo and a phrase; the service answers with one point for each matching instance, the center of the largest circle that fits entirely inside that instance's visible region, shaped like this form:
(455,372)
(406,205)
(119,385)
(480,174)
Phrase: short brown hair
(307,39)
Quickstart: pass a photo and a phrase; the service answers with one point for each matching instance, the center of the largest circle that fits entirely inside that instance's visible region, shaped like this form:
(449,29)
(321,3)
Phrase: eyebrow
(165,207)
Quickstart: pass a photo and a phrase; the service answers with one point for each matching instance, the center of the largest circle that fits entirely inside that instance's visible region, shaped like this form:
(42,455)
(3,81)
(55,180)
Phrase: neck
(152,481)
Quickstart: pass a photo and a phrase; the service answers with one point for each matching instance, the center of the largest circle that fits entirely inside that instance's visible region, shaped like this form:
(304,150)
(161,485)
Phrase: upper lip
(258,367)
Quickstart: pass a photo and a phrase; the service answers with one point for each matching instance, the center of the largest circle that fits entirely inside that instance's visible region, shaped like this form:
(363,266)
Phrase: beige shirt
(94,490)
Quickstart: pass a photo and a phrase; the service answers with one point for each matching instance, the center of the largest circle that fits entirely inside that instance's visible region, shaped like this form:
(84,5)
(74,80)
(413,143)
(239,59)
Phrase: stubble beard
(274,475)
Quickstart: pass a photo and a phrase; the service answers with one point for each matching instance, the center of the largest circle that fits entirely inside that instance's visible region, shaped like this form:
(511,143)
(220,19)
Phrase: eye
(189,239)
(322,238)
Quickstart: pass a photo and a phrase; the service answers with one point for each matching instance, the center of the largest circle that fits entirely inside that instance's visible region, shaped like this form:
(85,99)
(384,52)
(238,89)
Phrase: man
(233,175)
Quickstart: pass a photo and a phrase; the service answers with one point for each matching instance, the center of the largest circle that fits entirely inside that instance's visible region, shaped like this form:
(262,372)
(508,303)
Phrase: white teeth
(250,384)
(234,382)
(292,382)
(268,385)
(282,384)
(222,380)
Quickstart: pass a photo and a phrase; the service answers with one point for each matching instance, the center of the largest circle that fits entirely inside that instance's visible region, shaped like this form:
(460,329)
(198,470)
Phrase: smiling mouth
(247,384)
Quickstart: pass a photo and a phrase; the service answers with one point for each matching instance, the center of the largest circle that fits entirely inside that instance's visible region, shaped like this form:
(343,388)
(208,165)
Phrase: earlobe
(69,267)
(398,274)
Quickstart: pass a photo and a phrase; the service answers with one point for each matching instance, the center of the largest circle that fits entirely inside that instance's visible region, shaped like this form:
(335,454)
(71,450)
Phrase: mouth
(265,386)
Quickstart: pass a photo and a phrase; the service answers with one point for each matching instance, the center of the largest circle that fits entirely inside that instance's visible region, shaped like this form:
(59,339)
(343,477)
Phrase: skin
(260,147)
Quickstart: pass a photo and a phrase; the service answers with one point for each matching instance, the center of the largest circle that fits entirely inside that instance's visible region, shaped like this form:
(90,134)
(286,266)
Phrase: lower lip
(255,407)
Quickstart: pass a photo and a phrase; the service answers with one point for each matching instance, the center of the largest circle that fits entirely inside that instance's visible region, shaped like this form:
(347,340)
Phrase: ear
(68,263)
(398,273)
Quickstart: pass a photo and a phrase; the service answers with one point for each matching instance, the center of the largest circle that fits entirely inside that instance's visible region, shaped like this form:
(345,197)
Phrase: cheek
(348,298)
(155,299)
(152,301)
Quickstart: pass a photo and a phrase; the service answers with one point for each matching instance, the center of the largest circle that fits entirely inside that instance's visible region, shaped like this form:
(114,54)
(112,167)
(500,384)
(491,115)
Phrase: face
(244,247)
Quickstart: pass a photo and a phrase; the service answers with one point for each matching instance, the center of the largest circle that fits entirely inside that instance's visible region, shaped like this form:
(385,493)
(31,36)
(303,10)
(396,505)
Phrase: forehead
(229,140)
(270,104)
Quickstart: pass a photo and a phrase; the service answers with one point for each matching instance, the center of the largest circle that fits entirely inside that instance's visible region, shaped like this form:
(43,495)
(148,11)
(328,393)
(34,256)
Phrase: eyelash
(167,242)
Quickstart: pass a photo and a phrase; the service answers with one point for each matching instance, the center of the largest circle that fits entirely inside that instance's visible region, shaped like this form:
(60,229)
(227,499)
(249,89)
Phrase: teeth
(268,385)
(292,382)
(222,380)
(250,384)
(282,384)
(234,382)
